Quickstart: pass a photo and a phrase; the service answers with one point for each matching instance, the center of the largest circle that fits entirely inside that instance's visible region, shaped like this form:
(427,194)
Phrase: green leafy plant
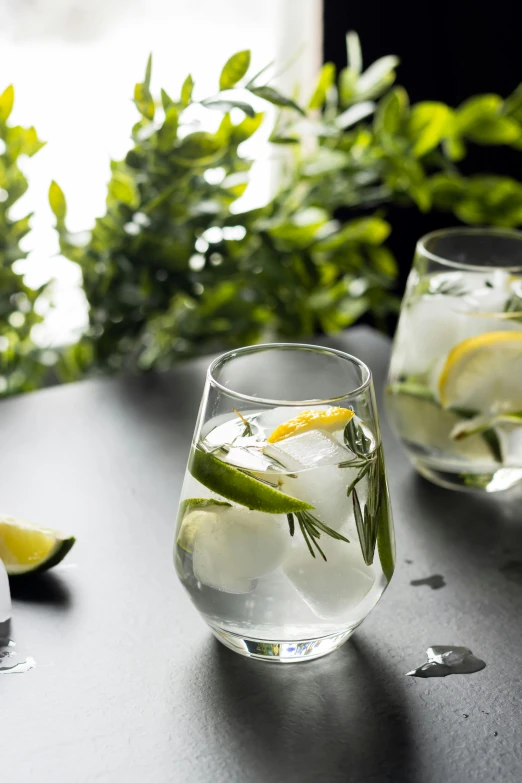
(172,269)
(20,365)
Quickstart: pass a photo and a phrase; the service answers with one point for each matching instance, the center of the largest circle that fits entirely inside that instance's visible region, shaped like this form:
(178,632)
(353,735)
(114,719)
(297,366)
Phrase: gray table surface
(131,686)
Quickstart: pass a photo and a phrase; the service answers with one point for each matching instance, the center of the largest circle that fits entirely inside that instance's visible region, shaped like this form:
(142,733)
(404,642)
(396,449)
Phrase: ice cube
(325,489)
(428,329)
(221,429)
(237,546)
(310,449)
(5,595)
(432,325)
(489,295)
(488,300)
(321,483)
(251,459)
(332,588)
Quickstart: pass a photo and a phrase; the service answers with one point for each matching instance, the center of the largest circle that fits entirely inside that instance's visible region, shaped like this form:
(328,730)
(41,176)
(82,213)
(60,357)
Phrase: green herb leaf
(324,83)
(304,533)
(142,95)
(358,438)
(199,149)
(57,201)
(492,440)
(353,51)
(228,105)
(358,478)
(168,132)
(166,101)
(234,69)
(272,95)
(186,90)
(361,529)
(122,188)
(6,103)
(383,523)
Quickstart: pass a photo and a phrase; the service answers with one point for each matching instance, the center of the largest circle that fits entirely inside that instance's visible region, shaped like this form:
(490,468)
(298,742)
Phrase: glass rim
(221,360)
(509,233)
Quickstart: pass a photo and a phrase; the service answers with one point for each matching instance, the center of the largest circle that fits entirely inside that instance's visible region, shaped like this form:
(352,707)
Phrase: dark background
(448,52)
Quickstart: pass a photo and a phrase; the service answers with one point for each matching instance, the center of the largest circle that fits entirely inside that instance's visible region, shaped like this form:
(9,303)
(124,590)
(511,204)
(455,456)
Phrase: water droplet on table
(435,582)
(443,660)
(11,661)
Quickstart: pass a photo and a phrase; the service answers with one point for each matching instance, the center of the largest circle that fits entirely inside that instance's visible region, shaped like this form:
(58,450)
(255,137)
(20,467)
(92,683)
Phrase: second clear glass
(284,538)
(454,394)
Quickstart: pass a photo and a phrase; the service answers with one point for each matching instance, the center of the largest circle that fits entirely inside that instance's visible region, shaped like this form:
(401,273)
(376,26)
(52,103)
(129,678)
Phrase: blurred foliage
(174,268)
(21,368)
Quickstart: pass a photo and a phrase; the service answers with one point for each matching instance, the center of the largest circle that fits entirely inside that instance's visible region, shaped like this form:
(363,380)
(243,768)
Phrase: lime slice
(194,512)
(233,484)
(26,548)
(484,374)
(422,422)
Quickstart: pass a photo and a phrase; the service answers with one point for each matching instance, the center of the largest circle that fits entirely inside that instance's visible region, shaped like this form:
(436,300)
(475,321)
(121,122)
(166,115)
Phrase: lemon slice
(26,548)
(484,374)
(330,420)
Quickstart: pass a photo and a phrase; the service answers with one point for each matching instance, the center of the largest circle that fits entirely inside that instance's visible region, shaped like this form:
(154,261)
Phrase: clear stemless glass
(455,384)
(284,538)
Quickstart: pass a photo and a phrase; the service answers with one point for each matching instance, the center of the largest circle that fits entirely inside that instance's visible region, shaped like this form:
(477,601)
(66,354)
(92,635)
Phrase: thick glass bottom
(282,651)
(495,481)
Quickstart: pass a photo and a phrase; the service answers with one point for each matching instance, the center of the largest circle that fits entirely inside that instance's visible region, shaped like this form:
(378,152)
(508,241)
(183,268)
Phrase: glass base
(497,481)
(282,651)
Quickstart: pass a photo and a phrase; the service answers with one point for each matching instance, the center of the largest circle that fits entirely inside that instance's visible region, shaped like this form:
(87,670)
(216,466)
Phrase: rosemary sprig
(352,463)
(313,523)
(449,288)
(305,536)
(248,431)
(291,523)
(360,475)
(454,286)
(374,490)
(311,529)
(360,440)
(366,528)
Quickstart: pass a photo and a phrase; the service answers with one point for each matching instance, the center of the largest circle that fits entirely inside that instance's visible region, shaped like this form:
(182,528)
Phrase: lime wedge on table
(26,548)
(233,484)
(194,512)
(484,373)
